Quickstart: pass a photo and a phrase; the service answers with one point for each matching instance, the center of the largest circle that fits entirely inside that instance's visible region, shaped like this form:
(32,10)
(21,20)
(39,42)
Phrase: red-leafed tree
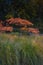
(18,24)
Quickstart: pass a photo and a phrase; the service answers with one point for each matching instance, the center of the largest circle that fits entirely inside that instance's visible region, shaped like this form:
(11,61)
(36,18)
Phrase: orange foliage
(19,21)
(23,29)
(33,30)
(10,29)
(10,20)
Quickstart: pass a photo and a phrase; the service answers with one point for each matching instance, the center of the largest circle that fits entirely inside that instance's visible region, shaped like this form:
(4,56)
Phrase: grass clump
(20,50)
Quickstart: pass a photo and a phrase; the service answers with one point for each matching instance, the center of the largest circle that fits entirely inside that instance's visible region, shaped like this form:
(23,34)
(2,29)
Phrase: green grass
(21,50)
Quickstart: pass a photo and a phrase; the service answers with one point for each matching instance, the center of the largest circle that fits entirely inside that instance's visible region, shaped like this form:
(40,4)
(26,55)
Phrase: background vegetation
(27,9)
